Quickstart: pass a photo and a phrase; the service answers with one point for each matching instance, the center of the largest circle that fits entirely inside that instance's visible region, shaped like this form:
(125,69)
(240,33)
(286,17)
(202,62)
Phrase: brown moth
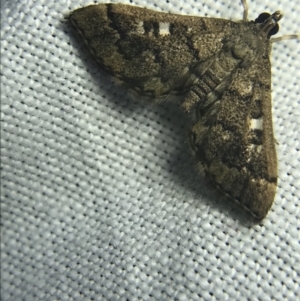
(220,69)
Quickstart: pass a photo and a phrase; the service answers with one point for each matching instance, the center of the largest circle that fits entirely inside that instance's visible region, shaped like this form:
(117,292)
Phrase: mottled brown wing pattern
(150,52)
(222,72)
(234,141)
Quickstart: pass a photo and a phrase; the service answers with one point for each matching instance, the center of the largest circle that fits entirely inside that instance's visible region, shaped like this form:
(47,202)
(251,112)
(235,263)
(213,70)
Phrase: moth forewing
(152,53)
(221,71)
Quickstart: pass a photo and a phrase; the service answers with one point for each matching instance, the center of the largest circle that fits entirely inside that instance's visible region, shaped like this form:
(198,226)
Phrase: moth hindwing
(219,68)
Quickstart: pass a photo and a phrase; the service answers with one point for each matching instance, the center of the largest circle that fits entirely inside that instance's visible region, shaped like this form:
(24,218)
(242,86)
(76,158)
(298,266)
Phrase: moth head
(269,23)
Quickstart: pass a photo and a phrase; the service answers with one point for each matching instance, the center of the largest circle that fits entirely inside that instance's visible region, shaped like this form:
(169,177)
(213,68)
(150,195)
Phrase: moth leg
(245,6)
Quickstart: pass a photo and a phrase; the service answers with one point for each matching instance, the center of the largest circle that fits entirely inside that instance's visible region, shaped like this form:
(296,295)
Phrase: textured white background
(100,198)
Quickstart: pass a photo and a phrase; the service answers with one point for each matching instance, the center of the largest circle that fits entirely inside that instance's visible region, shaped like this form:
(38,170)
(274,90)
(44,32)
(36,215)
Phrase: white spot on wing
(256,124)
(140,27)
(164,28)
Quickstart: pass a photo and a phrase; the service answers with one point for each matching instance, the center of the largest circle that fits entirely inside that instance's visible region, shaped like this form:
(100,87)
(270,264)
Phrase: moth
(219,69)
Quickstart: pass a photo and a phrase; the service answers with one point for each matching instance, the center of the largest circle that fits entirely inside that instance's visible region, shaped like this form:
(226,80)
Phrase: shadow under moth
(219,69)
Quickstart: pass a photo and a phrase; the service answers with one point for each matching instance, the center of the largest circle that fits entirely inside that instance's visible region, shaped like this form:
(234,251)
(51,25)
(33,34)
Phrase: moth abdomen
(211,78)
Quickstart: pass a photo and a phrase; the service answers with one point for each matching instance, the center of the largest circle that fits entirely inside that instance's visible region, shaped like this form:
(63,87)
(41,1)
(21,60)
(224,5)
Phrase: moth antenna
(245,13)
(286,37)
